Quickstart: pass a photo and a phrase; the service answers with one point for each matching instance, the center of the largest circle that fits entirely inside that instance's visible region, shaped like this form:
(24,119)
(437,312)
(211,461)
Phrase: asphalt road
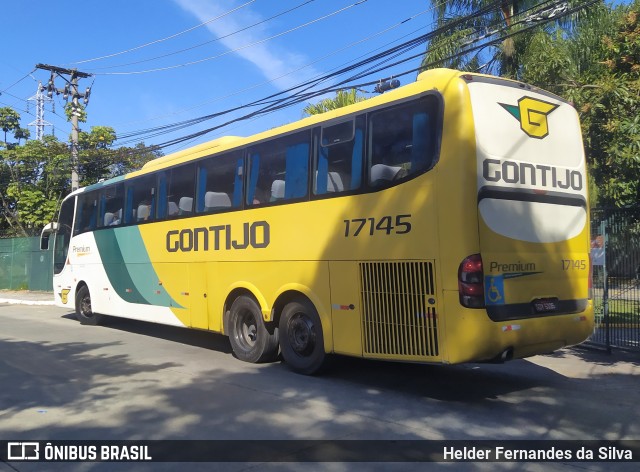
(136,381)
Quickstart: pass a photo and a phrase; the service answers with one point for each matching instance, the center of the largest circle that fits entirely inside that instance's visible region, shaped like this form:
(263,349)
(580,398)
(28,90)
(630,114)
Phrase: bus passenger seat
(108,218)
(216,201)
(382,174)
(172,209)
(185,205)
(277,190)
(143,212)
(334,182)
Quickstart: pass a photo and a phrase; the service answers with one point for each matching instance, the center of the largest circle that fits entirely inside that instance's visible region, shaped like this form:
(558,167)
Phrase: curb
(13,301)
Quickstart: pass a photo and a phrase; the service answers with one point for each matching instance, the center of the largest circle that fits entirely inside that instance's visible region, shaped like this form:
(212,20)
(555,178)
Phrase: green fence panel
(23,266)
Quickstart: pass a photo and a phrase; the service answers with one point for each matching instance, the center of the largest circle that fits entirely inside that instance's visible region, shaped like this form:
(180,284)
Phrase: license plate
(545,305)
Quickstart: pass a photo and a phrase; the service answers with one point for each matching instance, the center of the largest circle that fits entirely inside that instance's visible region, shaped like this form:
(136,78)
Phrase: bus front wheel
(250,339)
(301,338)
(84,313)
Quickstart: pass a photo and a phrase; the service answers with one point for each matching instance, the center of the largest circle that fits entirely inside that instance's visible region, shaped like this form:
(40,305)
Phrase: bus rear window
(403,141)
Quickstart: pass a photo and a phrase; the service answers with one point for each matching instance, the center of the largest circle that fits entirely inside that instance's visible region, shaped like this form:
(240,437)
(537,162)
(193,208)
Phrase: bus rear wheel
(84,313)
(301,338)
(250,339)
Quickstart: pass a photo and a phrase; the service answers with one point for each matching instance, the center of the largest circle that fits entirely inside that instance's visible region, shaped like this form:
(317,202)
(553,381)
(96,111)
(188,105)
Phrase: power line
(168,37)
(16,82)
(317,60)
(255,43)
(293,100)
(153,132)
(207,42)
(270,103)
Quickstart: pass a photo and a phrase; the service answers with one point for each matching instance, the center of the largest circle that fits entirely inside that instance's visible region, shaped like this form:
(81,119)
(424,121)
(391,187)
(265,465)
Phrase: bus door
(532,202)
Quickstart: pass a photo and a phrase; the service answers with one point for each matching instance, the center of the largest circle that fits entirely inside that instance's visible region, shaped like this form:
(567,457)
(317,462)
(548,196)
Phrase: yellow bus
(445,221)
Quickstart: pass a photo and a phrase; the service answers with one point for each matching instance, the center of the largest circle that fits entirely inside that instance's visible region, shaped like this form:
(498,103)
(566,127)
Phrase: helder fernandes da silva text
(612,453)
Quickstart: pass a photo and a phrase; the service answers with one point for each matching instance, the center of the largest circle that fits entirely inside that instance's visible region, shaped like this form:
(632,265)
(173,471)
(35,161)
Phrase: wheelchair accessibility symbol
(494,290)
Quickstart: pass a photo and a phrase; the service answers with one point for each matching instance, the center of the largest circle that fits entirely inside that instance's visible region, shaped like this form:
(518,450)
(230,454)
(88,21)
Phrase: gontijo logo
(64,295)
(532,115)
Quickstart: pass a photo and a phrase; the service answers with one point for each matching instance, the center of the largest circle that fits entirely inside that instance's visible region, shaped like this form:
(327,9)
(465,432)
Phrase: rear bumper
(471,335)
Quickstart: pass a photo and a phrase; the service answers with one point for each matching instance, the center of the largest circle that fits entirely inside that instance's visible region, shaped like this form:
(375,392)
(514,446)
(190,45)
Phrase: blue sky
(205,68)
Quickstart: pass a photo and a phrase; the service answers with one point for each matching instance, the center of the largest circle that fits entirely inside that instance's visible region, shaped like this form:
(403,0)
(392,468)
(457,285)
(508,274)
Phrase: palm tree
(9,121)
(462,23)
(568,60)
(342,99)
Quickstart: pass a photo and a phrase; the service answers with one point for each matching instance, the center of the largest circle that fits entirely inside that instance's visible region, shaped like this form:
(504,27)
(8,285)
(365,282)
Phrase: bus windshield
(63,235)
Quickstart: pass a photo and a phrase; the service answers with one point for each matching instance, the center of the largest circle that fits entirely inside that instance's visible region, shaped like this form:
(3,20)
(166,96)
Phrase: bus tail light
(471,282)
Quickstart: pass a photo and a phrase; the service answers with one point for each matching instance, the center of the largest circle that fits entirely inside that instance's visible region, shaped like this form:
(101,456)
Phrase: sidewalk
(25,297)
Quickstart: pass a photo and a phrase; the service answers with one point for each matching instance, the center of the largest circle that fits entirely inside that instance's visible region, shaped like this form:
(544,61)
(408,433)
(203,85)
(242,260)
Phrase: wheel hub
(302,334)
(248,330)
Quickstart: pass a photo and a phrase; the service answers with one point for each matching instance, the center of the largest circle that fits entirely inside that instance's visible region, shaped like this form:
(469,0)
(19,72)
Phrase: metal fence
(23,266)
(615,254)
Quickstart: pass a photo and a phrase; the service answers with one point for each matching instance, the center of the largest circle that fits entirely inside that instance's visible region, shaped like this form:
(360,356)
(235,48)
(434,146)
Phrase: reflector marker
(511,328)
(343,307)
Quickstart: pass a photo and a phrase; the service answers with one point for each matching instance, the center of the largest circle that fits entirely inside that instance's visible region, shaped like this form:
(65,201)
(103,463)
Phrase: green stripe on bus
(136,281)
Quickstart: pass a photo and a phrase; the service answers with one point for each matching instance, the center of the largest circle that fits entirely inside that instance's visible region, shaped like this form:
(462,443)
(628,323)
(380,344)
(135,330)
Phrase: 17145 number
(401,224)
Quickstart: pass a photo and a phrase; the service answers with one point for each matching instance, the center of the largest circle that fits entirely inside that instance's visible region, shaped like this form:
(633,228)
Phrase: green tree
(9,121)
(22,133)
(465,23)
(97,158)
(79,110)
(455,33)
(33,179)
(35,176)
(596,65)
(610,109)
(342,99)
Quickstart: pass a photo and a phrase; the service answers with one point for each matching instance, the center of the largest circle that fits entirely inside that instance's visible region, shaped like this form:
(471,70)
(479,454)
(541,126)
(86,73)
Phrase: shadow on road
(183,384)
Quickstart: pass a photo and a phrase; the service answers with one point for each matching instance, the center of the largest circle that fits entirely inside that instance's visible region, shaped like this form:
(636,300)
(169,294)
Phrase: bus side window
(220,183)
(129,215)
(279,169)
(111,205)
(176,188)
(402,141)
(339,158)
(87,212)
(141,199)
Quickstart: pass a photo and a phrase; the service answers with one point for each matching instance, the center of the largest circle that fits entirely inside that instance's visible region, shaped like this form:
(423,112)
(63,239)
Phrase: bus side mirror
(44,236)
(44,242)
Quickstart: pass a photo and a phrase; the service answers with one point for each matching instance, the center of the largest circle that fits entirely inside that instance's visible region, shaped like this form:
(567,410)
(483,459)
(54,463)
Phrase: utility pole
(71,88)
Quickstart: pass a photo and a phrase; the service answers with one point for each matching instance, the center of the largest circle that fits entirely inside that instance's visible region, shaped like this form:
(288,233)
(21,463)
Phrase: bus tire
(301,338)
(84,313)
(249,337)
